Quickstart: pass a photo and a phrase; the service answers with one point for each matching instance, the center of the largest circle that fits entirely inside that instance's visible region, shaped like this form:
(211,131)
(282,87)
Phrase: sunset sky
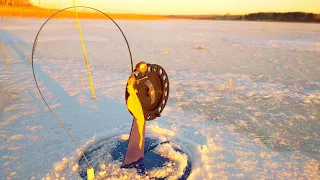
(190,7)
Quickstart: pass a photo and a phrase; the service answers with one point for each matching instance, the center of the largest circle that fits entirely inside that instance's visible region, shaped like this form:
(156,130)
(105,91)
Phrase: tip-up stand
(134,152)
(147,94)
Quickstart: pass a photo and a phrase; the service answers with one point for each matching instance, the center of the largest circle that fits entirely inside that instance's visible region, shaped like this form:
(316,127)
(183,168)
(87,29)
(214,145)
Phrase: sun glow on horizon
(189,7)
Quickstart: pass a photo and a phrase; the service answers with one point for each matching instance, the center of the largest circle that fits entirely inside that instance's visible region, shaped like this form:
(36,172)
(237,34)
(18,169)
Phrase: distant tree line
(288,17)
(285,17)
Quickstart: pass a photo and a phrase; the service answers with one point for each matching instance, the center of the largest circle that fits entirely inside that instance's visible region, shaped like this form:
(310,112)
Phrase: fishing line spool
(152,85)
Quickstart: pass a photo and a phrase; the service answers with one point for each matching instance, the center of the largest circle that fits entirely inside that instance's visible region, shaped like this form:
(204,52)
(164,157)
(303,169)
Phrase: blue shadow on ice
(11,40)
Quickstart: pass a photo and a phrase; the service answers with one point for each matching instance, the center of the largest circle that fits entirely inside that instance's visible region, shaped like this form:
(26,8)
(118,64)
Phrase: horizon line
(164,15)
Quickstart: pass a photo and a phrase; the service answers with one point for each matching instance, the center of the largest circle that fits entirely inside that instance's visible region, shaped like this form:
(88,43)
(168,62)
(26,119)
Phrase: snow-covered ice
(265,126)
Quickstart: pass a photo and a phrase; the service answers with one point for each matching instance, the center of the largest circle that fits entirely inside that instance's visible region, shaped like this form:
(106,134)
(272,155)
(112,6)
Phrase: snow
(265,126)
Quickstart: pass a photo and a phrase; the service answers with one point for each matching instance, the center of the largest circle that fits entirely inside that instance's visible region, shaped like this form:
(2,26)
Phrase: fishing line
(125,38)
(35,79)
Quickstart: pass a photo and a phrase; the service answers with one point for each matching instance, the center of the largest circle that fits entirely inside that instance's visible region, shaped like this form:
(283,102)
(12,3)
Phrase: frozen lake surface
(265,126)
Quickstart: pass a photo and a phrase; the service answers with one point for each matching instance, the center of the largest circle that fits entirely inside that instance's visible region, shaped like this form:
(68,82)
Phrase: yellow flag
(134,106)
